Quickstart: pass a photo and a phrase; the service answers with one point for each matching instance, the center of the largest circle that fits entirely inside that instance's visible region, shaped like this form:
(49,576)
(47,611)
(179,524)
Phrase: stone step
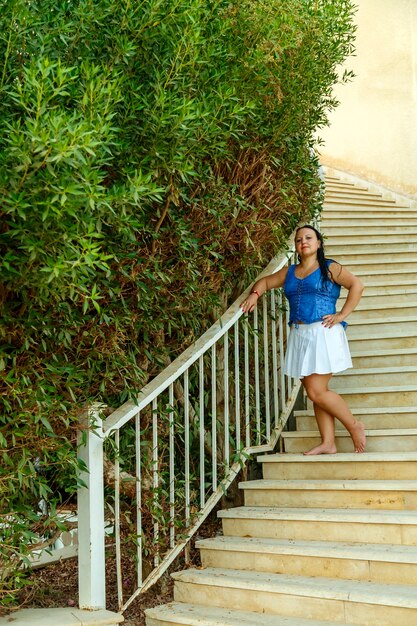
(333,177)
(376,377)
(62,617)
(334,250)
(365,218)
(282,594)
(377,418)
(376,229)
(381,265)
(403,339)
(384,563)
(346,466)
(347,238)
(363,314)
(347,207)
(395,326)
(399,395)
(355,194)
(379,440)
(185,614)
(347,257)
(380,341)
(394,276)
(391,269)
(346,187)
(389,300)
(312,524)
(375,286)
(335,494)
(369,310)
(381,358)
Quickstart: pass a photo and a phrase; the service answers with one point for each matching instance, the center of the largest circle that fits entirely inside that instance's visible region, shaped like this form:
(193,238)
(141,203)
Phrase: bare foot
(323,448)
(357,432)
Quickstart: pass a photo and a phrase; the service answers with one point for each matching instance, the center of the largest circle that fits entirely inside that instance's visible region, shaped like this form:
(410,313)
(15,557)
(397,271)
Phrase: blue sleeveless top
(311,297)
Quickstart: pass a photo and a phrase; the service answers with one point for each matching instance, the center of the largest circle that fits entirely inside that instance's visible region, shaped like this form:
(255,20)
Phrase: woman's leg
(316,386)
(326,425)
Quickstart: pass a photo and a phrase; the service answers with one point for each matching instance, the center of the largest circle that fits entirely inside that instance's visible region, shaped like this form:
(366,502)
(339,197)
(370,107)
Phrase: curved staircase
(333,539)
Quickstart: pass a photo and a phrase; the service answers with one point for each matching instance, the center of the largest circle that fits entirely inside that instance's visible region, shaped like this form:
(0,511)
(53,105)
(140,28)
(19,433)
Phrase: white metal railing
(176,449)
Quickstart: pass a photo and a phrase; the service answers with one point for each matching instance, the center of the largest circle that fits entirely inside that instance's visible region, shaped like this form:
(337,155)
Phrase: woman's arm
(355,287)
(272,281)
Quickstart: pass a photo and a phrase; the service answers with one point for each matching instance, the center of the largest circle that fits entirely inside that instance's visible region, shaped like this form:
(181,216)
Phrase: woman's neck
(309,262)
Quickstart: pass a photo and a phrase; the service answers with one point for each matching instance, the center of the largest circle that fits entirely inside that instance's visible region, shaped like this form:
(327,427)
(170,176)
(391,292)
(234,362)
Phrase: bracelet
(257,293)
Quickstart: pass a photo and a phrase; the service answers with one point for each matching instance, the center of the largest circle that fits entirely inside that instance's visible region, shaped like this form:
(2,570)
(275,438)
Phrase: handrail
(176,449)
(162,381)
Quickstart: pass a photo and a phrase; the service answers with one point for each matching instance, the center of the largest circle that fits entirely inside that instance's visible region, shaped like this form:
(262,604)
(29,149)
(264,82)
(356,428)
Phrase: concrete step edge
(368,390)
(345,206)
(391,306)
(400,333)
(387,272)
(367,411)
(200,615)
(384,352)
(391,553)
(340,457)
(394,369)
(377,262)
(395,319)
(331,219)
(360,516)
(328,484)
(63,617)
(325,588)
(403,282)
(392,432)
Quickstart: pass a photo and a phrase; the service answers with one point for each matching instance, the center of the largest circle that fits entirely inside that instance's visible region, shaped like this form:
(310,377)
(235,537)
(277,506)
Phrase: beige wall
(373,133)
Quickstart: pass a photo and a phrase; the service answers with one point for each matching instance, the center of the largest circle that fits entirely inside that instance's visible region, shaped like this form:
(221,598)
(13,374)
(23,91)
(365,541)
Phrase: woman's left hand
(331,320)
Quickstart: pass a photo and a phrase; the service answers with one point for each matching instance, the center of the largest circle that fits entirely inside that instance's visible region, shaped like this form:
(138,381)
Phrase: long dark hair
(321,257)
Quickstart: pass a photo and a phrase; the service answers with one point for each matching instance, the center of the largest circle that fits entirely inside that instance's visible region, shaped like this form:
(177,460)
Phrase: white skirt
(315,349)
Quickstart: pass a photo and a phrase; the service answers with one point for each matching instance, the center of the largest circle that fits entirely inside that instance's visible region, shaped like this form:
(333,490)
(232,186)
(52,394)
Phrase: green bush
(154,155)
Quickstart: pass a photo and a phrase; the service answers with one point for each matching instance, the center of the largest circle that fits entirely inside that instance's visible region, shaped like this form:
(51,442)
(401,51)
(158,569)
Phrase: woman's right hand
(250,303)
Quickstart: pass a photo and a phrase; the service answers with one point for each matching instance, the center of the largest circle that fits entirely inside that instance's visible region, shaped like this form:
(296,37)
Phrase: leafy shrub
(153,157)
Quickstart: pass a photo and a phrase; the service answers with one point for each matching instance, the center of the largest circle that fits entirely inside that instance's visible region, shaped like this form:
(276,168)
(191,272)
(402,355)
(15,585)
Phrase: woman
(317,344)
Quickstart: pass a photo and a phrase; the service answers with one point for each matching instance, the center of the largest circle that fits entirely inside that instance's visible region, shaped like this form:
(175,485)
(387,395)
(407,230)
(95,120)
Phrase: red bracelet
(257,293)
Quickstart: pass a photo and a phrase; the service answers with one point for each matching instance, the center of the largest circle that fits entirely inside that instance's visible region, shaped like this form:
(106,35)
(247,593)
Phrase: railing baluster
(117,519)
(237,386)
(139,545)
(274,356)
(214,415)
(187,447)
(171,467)
(226,400)
(155,476)
(266,369)
(287,319)
(202,431)
(281,353)
(257,389)
(247,397)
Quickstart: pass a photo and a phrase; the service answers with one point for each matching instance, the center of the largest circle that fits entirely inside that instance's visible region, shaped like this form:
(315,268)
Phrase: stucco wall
(373,133)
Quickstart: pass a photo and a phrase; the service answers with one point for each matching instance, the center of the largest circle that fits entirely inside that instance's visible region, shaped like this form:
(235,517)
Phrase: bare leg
(333,405)
(326,425)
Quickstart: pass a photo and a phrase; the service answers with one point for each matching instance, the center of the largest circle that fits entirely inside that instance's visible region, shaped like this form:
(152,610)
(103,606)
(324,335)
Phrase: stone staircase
(333,539)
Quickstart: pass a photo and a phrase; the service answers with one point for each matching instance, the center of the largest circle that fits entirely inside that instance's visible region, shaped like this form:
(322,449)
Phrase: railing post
(91,557)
